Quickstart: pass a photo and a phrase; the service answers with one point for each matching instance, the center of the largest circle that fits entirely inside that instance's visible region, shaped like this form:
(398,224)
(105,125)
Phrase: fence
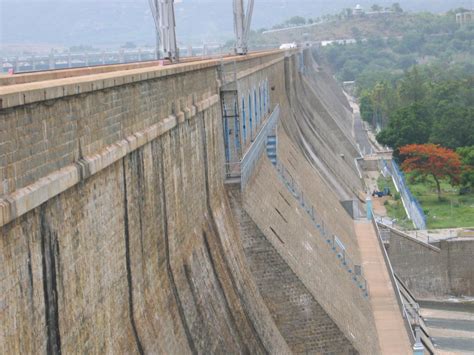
(334,243)
(411,204)
(407,310)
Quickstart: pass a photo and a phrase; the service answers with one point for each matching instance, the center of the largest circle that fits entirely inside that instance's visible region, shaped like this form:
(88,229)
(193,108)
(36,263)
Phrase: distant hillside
(382,25)
(114,22)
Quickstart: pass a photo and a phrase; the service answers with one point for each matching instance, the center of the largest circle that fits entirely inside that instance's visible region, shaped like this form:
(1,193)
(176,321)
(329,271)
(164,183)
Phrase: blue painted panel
(236,128)
(250,116)
(226,135)
(244,120)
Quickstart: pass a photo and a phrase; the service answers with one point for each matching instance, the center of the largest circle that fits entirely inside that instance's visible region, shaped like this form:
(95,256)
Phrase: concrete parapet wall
(441,269)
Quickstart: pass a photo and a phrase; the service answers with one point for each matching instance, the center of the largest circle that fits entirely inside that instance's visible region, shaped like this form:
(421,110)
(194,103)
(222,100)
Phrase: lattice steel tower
(163,14)
(242,25)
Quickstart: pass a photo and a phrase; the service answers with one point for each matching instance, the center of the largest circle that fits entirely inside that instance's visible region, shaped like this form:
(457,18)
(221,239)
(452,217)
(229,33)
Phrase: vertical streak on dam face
(127,262)
(49,251)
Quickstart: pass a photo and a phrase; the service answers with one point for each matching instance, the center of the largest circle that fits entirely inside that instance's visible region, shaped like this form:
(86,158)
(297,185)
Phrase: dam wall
(116,234)
(121,231)
(287,231)
(322,134)
(439,269)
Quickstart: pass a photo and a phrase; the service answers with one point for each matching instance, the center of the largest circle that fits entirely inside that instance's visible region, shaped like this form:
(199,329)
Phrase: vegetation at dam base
(452,211)
(415,88)
(430,160)
(426,105)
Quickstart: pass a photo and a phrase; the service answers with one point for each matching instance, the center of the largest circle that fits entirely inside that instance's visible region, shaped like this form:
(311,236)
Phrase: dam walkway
(388,319)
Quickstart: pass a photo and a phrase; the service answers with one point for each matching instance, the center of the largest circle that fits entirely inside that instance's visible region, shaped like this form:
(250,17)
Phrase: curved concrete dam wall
(120,235)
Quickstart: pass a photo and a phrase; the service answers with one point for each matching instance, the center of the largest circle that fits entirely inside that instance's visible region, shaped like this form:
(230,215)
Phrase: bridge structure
(68,60)
(144,208)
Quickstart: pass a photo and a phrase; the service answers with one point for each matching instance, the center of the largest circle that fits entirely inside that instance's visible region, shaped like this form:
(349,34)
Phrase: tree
(356,33)
(347,13)
(407,125)
(453,106)
(396,7)
(432,160)
(366,108)
(412,88)
(296,21)
(376,7)
(467,159)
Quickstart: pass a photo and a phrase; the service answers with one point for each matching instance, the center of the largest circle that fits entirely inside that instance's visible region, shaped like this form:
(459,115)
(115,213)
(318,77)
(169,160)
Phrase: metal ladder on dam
(230,120)
(243,144)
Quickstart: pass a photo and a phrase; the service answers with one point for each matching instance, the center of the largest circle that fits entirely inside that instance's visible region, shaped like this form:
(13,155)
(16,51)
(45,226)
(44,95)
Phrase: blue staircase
(272,149)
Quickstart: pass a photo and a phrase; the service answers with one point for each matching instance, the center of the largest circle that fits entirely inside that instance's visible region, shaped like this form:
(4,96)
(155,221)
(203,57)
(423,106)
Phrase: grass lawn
(452,211)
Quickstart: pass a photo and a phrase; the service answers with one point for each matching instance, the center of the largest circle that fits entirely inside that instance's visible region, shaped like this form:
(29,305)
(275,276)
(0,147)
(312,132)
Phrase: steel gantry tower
(242,25)
(165,25)
(163,14)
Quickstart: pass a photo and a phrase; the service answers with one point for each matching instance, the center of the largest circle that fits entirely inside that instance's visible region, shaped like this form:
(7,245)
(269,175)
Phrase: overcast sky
(112,22)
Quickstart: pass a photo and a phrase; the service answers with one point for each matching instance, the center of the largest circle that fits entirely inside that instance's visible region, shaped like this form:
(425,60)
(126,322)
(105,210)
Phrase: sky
(64,23)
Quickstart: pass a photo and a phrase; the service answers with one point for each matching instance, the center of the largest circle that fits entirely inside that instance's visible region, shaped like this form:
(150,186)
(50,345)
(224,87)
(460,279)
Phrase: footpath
(390,325)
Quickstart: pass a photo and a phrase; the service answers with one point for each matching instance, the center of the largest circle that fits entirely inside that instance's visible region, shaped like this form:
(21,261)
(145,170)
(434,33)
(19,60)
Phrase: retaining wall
(441,269)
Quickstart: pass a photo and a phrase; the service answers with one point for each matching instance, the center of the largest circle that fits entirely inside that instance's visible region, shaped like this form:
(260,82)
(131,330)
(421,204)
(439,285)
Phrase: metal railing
(244,168)
(334,243)
(250,159)
(401,305)
(411,204)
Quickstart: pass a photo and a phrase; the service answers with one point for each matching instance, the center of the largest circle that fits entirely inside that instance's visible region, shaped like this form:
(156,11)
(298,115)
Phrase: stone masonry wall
(38,139)
(290,231)
(140,255)
(116,234)
(304,324)
(445,269)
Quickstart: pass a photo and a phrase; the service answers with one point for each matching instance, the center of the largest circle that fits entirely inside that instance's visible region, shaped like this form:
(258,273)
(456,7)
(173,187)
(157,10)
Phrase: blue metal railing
(245,167)
(412,206)
(334,243)
(250,159)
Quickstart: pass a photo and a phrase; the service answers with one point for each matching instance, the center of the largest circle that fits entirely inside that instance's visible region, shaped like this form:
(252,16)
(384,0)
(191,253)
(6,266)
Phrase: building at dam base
(191,208)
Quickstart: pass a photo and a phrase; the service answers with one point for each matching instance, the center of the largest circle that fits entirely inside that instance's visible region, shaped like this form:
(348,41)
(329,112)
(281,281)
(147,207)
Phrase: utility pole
(242,25)
(165,26)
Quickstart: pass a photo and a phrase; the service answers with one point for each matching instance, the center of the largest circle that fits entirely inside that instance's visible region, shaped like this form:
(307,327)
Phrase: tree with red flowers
(432,160)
